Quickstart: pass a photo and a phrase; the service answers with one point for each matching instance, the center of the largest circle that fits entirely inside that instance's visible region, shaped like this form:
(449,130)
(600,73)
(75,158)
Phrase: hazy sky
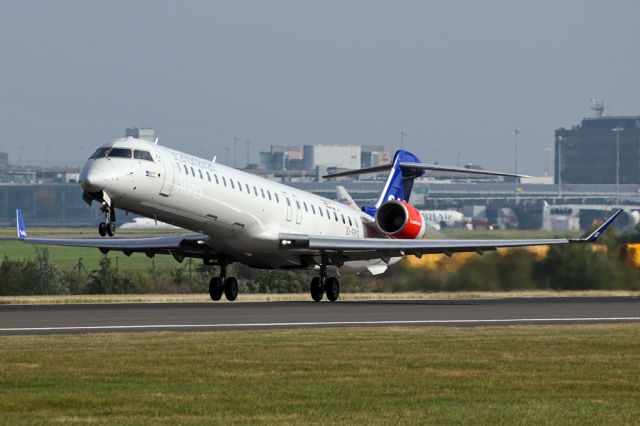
(455,76)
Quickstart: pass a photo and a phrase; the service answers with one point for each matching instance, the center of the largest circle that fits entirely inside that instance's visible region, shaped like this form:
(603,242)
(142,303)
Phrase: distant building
(587,153)
(374,155)
(281,157)
(339,156)
(4,159)
(145,133)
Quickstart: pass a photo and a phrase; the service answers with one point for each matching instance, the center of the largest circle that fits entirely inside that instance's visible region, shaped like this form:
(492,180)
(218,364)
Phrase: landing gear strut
(324,284)
(108,227)
(223,284)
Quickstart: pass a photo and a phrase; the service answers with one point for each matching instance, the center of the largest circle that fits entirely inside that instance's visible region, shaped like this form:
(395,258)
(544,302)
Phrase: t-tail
(404,169)
(22,231)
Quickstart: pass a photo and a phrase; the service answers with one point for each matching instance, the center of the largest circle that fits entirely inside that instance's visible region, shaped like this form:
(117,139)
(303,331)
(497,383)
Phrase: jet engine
(399,219)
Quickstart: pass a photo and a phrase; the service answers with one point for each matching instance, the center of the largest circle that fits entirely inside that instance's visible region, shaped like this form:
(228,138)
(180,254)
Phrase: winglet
(22,231)
(596,234)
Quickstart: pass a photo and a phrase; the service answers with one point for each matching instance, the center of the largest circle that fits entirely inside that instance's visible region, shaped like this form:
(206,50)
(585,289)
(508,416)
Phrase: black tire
(215,288)
(231,289)
(333,289)
(111,229)
(102,229)
(316,289)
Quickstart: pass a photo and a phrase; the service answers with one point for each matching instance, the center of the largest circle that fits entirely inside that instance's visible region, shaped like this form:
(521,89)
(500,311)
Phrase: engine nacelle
(399,219)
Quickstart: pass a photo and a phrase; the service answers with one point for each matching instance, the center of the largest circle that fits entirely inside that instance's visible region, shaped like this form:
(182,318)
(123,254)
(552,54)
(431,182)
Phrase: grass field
(66,258)
(494,375)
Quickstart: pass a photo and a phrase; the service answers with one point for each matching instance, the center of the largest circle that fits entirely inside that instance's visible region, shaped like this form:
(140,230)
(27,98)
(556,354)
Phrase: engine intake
(399,219)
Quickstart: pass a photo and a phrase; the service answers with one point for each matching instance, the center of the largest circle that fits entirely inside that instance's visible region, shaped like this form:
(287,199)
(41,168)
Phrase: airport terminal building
(598,150)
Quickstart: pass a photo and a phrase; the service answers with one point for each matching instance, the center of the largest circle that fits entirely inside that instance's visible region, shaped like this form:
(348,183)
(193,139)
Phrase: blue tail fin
(400,181)
(22,231)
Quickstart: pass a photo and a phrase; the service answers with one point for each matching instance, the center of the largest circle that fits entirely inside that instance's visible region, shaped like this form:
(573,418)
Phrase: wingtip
(20,228)
(596,234)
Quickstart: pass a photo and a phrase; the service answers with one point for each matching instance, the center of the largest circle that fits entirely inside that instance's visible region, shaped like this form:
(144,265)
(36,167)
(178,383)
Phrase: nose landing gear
(108,227)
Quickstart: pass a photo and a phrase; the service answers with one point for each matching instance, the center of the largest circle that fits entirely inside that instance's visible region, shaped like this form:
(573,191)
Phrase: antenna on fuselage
(214,158)
(156,141)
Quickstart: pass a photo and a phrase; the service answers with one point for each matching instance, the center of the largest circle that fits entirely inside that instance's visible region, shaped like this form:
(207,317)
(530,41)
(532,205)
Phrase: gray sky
(455,76)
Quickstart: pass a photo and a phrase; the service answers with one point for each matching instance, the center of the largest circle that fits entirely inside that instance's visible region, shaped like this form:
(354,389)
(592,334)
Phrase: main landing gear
(324,284)
(108,227)
(223,284)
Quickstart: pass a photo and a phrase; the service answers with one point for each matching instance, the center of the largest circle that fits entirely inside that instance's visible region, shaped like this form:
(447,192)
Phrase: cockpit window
(100,152)
(142,155)
(120,152)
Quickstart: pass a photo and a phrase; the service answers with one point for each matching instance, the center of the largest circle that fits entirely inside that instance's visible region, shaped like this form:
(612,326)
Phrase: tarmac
(137,317)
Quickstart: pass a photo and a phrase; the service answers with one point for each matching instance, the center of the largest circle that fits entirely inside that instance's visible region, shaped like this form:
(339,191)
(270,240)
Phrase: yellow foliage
(442,262)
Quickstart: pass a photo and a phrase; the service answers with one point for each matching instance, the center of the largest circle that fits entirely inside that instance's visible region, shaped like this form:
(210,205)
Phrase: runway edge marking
(315,323)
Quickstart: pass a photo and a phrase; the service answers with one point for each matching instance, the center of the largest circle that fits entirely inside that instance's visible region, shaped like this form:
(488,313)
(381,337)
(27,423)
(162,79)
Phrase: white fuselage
(436,218)
(242,214)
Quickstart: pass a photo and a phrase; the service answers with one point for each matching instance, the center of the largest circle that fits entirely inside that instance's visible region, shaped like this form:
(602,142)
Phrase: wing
(180,245)
(346,249)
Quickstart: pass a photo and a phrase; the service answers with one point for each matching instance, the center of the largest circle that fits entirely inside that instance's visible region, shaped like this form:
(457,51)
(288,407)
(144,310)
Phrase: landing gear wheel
(215,288)
(332,288)
(231,289)
(111,229)
(316,289)
(102,229)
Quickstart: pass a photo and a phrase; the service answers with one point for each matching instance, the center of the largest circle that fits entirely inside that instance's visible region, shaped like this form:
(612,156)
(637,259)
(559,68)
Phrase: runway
(86,318)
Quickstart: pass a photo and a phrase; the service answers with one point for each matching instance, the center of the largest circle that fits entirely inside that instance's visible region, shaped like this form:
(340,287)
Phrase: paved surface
(83,318)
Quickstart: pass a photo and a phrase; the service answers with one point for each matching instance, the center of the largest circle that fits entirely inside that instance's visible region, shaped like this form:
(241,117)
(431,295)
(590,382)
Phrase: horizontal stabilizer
(422,166)
(439,168)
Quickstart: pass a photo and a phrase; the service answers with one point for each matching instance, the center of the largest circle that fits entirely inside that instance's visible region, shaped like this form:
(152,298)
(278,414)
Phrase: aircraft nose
(91,179)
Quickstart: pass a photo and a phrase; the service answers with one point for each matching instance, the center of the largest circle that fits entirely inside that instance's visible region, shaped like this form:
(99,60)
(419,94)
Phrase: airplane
(146,223)
(239,217)
(433,218)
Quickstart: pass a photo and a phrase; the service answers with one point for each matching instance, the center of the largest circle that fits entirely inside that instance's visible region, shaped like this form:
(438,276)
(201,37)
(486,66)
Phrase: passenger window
(215,176)
(298,204)
(232,185)
(288,201)
(200,172)
(186,170)
(142,155)
(255,190)
(209,176)
(320,211)
(335,216)
(269,194)
(277,199)
(120,153)
(239,186)
(100,152)
(305,206)
(343,221)
(224,181)
(262,192)
(246,185)
(313,209)
(193,172)
(349,217)
(328,214)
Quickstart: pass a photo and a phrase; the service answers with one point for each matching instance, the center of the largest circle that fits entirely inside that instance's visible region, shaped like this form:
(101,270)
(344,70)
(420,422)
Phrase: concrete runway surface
(86,318)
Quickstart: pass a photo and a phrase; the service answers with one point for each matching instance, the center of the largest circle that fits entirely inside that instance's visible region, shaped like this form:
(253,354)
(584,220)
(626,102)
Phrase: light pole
(547,150)
(617,131)
(560,138)
(516,132)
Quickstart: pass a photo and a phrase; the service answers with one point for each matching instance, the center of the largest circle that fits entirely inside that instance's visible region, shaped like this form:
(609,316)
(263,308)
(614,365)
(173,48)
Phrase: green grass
(66,258)
(498,375)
